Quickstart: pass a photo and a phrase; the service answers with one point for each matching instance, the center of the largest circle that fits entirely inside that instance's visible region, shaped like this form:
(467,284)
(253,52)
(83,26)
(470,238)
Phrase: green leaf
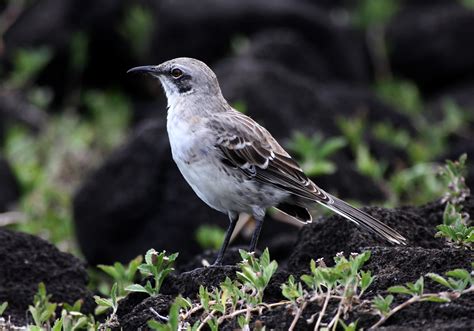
(58,325)
(155,325)
(399,289)
(136,288)
(28,63)
(459,273)
(439,279)
(366,280)
(3,307)
(382,304)
(103,301)
(435,298)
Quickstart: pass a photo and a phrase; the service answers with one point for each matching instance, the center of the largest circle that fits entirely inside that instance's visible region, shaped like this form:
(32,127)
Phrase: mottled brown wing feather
(250,147)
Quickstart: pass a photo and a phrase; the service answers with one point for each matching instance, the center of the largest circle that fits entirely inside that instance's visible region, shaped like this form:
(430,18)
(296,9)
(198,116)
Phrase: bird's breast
(188,139)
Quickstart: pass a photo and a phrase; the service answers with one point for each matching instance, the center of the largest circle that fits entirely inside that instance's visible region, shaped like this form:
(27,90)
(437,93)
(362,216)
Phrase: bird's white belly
(191,150)
(221,187)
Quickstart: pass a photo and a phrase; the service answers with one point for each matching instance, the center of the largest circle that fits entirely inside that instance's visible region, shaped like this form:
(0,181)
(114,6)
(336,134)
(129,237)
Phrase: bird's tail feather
(363,219)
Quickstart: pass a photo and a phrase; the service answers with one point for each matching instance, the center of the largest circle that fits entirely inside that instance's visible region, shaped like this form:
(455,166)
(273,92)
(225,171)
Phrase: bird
(234,164)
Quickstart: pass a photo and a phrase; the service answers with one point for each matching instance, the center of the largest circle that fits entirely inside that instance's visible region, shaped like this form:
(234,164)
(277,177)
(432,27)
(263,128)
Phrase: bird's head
(183,76)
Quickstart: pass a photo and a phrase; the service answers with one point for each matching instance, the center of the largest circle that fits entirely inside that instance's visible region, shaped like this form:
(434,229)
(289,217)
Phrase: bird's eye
(176,73)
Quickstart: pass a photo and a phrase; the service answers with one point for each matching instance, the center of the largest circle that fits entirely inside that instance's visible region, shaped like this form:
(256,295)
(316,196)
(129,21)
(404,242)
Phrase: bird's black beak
(154,70)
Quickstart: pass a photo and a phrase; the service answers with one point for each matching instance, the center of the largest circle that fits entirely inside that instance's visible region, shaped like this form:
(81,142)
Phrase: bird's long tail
(363,219)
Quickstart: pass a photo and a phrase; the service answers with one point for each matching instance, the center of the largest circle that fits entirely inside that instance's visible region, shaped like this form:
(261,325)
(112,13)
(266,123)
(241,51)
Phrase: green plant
(104,304)
(27,63)
(111,114)
(314,152)
(122,275)
(351,327)
(232,299)
(402,94)
(292,290)
(137,28)
(255,273)
(345,282)
(354,130)
(72,319)
(469,4)
(43,310)
(51,164)
(456,226)
(459,282)
(382,304)
(3,307)
(209,236)
(374,12)
(158,266)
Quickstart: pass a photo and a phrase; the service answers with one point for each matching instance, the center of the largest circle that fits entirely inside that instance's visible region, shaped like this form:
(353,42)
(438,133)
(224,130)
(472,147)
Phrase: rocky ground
(325,238)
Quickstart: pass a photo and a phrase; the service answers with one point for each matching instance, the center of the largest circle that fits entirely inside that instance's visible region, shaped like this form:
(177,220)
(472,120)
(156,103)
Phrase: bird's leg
(259,217)
(233,218)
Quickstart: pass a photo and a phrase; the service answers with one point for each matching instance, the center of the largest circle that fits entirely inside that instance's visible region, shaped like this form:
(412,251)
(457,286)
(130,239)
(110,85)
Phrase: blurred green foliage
(51,164)
(79,48)
(27,63)
(467,3)
(314,152)
(400,93)
(138,28)
(368,13)
(210,237)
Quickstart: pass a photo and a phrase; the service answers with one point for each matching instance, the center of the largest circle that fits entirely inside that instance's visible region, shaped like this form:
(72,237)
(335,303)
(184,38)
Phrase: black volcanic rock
(432,45)
(25,261)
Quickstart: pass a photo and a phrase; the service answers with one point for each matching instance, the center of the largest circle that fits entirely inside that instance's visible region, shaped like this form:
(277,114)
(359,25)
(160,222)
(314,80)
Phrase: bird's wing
(251,148)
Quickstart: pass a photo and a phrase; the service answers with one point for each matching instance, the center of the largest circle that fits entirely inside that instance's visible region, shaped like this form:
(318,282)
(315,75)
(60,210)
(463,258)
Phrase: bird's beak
(153,70)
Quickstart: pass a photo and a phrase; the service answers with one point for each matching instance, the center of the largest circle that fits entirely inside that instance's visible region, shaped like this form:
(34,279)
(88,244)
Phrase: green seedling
(43,310)
(458,282)
(158,266)
(256,273)
(454,174)
(382,304)
(122,275)
(72,319)
(104,304)
(232,299)
(314,152)
(345,282)
(456,226)
(292,290)
(351,327)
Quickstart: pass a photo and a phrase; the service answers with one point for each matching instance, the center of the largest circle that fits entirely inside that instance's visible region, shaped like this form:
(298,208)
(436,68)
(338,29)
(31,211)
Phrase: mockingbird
(234,164)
